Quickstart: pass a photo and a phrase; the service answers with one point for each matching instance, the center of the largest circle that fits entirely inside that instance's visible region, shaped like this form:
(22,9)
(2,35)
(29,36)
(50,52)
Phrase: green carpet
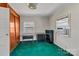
(38,49)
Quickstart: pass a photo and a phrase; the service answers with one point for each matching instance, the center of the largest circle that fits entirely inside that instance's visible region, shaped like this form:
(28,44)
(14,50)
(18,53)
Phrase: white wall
(70,44)
(41,23)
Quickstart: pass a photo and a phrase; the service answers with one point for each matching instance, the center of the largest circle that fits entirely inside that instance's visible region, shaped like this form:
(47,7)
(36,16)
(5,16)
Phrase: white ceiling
(43,9)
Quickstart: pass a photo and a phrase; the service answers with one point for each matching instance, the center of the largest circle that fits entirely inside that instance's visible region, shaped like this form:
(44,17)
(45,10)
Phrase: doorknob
(6,34)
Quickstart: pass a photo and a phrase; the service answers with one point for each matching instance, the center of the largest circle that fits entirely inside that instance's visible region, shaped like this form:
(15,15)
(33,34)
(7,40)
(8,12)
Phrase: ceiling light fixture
(32,5)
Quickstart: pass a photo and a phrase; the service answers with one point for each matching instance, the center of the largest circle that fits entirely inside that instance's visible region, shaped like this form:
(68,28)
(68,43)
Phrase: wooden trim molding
(4,5)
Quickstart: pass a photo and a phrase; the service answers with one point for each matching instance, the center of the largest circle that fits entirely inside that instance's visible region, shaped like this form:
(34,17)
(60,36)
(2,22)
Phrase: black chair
(49,36)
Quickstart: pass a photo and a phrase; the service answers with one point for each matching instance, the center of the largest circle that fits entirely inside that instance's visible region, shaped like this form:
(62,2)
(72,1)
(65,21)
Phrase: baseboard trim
(64,49)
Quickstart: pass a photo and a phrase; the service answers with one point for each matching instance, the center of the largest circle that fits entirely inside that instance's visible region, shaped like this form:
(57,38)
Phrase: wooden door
(12,32)
(17,25)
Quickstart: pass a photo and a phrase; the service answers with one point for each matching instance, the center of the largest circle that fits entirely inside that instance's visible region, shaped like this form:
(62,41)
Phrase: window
(63,27)
(28,27)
